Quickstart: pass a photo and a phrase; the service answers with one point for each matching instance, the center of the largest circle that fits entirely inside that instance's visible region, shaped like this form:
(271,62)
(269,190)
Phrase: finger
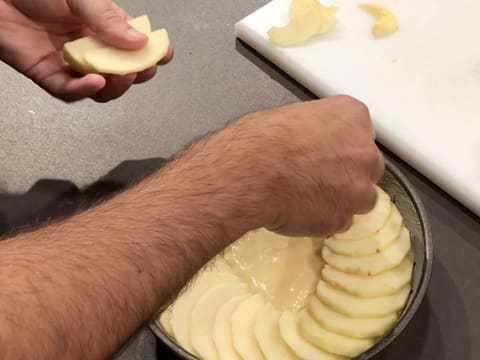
(108,22)
(69,89)
(115,87)
(53,75)
(379,168)
(150,72)
(146,75)
(367,201)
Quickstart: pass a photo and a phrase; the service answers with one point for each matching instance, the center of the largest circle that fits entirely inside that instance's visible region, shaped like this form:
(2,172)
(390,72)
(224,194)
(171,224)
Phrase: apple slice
(371,265)
(243,322)
(183,305)
(359,328)
(74,51)
(268,335)
(353,306)
(165,321)
(304,350)
(222,329)
(203,316)
(111,60)
(372,244)
(386,283)
(331,342)
(368,224)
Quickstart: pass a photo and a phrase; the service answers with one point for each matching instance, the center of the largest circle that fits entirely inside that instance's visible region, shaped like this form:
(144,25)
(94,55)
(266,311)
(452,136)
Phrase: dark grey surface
(211,81)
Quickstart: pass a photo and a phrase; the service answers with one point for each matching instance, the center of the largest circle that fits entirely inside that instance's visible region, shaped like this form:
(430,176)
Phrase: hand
(313,165)
(32,34)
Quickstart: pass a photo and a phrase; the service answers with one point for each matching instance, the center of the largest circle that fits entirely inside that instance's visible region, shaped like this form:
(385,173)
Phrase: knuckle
(110,15)
(352,103)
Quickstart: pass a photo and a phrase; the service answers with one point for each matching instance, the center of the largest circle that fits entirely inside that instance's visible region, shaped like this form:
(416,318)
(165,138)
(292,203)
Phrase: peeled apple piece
(74,51)
(353,306)
(267,333)
(304,24)
(370,245)
(359,328)
(368,224)
(222,329)
(330,341)
(116,61)
(243,322)
(386,22)
(203,316)
(386,283)
(371,265)
(304,350)
(183,305)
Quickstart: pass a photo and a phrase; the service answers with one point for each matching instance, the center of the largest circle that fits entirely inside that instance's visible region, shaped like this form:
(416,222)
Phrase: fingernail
(134,35)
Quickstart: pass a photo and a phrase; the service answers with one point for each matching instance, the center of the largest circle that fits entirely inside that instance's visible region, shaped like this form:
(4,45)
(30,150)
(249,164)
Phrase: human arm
(78,288)
(32,34)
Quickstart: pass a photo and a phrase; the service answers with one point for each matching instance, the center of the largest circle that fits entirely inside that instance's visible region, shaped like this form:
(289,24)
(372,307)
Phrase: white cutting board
(422,84)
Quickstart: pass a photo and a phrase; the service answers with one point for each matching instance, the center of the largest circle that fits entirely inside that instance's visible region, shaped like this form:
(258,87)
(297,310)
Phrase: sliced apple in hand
(290,333)
(267,333)
(74,51)
(111,60)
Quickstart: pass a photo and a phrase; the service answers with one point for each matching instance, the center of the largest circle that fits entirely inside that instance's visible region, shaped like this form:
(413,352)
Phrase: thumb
(108,22)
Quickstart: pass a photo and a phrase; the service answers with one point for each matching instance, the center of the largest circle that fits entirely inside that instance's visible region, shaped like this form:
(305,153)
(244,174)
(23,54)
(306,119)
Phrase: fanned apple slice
(222,329)
(203,316)
(267,333)
(386,283)
(359,328)
(353,306)
(372,244)
(371,265)
(330,341)
(74,51)
(290,333)
(243,322)
(116,61)
(183,305)
(165,321)
(368,224)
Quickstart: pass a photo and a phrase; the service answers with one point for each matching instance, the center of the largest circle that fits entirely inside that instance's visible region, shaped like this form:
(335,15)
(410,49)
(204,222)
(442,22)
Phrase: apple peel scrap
(385,22)
(308,18)
(90,55)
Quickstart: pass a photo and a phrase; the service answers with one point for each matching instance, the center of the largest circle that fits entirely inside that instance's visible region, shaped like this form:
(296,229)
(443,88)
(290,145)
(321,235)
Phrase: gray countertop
(214,79)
